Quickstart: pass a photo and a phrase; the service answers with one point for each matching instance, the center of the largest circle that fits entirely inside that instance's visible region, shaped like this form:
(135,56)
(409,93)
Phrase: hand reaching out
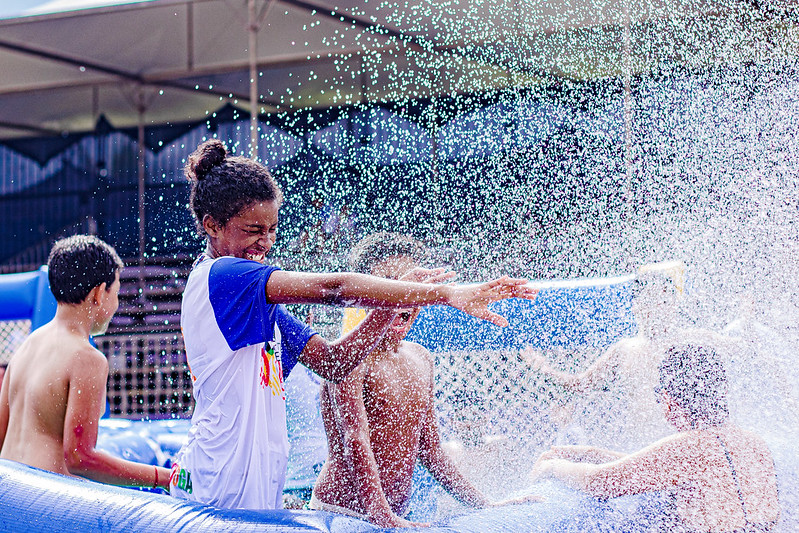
(558,457)
(540,470)
(474,299)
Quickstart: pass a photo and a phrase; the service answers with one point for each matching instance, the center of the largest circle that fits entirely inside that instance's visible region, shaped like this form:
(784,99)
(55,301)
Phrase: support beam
(252,35)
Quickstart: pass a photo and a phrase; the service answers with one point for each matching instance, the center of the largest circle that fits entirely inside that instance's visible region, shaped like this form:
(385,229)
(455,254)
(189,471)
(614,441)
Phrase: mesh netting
(489,393)
(148,376)
(12,333)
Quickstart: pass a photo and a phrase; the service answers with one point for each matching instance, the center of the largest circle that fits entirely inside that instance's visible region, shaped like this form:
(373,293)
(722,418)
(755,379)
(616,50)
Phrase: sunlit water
(549,166)
(550,181)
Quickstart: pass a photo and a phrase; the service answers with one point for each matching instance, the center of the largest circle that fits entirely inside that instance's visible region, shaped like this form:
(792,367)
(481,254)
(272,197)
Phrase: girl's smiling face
(248,235)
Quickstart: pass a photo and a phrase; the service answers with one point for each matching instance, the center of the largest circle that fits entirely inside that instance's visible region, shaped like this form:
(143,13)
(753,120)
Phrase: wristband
(155,484)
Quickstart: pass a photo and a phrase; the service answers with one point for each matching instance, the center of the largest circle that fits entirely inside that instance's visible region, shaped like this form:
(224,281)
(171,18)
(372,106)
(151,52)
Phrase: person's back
(38,387)
(721,477)
(729,483)
(54,389)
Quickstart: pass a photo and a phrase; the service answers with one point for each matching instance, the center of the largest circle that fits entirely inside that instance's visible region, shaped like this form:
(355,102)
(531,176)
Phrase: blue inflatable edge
(35,500)
(27,296)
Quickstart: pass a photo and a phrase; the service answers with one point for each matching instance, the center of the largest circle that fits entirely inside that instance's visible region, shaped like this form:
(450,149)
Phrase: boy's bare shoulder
(85,358)
(418,352)
(417,349)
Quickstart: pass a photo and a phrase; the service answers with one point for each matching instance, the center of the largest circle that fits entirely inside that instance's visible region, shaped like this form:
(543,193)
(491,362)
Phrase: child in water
(241,343)
(54,390)
(721,478)
(381,419)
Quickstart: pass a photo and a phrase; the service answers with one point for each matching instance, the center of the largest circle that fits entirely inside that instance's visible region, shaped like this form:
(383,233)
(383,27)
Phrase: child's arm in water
(582,454)
(363,290)
(659,466)
(596,373)
(435,459)
(3,409)
(85,405)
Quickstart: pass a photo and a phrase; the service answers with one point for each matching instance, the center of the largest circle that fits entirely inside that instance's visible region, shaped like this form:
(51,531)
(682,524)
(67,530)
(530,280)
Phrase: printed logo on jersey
(180,478)
(271,370)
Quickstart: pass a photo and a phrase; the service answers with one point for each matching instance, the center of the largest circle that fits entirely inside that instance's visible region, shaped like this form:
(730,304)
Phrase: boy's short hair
(380,246)
(78,264)
(695,377)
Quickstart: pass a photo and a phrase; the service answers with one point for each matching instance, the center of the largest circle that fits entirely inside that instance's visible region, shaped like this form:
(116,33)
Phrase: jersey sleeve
(295,335)
(237,290)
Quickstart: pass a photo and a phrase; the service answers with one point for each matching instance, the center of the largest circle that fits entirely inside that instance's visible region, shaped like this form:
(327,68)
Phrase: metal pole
(627,108)
(252,30)
(141,181)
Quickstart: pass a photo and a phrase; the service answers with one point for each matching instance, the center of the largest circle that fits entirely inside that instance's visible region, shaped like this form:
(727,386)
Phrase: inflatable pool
(35,500)
(38,501)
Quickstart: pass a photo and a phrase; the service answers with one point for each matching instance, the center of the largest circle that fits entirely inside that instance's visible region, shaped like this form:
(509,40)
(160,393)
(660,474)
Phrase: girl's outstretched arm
(362,290)
(334,360)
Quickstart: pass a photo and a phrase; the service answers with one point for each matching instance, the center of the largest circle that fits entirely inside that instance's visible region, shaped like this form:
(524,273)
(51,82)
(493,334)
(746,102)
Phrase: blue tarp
(565,313)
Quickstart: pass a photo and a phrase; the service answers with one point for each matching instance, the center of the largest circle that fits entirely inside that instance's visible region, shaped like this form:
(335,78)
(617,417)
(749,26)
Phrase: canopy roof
(172,62)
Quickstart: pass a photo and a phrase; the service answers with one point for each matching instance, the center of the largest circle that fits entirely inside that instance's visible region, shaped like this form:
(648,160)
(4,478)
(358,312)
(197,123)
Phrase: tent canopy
(173,62)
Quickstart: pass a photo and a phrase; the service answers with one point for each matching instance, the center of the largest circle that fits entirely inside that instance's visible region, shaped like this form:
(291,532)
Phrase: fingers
(506,287)
(445,275)
(507,280)
(494,318)
(549,454)
(524,291)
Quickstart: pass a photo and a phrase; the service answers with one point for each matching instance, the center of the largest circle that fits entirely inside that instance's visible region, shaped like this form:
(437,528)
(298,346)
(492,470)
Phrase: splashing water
(519,139)
(550,141)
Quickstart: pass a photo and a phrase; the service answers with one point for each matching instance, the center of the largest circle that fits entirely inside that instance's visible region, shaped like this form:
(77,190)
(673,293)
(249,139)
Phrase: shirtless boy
(620,381)
(380,419)
(53,392)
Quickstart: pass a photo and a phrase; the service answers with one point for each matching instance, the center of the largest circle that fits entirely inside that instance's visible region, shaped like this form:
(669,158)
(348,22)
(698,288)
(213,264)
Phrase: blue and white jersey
(239,348)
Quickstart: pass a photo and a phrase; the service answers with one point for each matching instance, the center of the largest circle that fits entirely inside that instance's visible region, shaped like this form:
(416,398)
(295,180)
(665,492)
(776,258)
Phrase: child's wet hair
(377,247)
(694,376)
(78,264)
(222,186)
